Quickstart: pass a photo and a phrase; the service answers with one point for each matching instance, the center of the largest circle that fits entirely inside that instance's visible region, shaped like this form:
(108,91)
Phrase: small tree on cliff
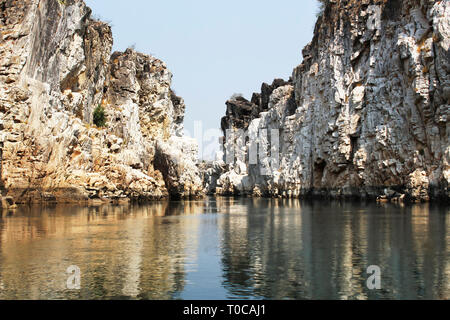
(99,117)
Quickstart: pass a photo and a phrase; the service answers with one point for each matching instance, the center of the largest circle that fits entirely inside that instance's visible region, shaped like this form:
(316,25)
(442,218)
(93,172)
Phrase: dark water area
(225,248)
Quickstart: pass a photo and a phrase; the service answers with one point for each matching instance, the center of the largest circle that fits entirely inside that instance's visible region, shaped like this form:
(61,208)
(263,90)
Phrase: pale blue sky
(214,48)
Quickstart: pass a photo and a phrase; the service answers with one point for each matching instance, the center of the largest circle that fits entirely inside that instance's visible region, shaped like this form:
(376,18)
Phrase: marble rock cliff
(56,68)
(366,114)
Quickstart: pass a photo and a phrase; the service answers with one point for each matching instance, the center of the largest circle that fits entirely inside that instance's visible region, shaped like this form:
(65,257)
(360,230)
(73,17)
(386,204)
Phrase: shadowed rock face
(56,67)
(240,111)
(179,109)
(267,90)
(371,109)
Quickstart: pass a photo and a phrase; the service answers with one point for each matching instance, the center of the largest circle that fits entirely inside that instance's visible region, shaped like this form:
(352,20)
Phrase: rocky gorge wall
(365,115)
(56,67)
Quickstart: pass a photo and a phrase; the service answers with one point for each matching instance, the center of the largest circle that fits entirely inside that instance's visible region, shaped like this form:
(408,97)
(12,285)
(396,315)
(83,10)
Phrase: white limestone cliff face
(56,67)
(372,108)
(176,159)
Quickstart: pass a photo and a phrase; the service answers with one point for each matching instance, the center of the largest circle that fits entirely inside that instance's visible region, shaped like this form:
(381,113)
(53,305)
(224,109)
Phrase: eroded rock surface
(176,159)
(371,109)
(56,67)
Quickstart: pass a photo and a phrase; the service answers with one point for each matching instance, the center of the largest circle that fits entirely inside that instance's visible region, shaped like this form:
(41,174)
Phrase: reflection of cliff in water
(127,249)
(226,247)
(287,249)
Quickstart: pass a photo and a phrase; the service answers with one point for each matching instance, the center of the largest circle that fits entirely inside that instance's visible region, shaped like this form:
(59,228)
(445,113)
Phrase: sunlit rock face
(371,116)
(56,68)
(176,159)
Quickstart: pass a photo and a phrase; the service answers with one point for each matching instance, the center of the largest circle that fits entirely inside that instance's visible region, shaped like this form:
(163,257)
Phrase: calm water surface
(226,249)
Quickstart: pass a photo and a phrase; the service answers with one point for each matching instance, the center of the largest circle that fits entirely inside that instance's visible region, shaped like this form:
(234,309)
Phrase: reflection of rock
(56,68)
(367,109)
(7,203)
(325,256)
(148,267)
(320,255)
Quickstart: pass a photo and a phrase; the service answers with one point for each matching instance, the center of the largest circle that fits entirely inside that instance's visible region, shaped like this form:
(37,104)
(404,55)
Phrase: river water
(226,248)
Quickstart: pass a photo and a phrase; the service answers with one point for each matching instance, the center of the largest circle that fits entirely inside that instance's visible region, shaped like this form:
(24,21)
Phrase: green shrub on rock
(99,117)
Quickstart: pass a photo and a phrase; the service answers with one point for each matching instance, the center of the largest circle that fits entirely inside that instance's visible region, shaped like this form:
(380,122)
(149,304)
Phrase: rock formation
(56,68)
(240,111)
(366,114)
